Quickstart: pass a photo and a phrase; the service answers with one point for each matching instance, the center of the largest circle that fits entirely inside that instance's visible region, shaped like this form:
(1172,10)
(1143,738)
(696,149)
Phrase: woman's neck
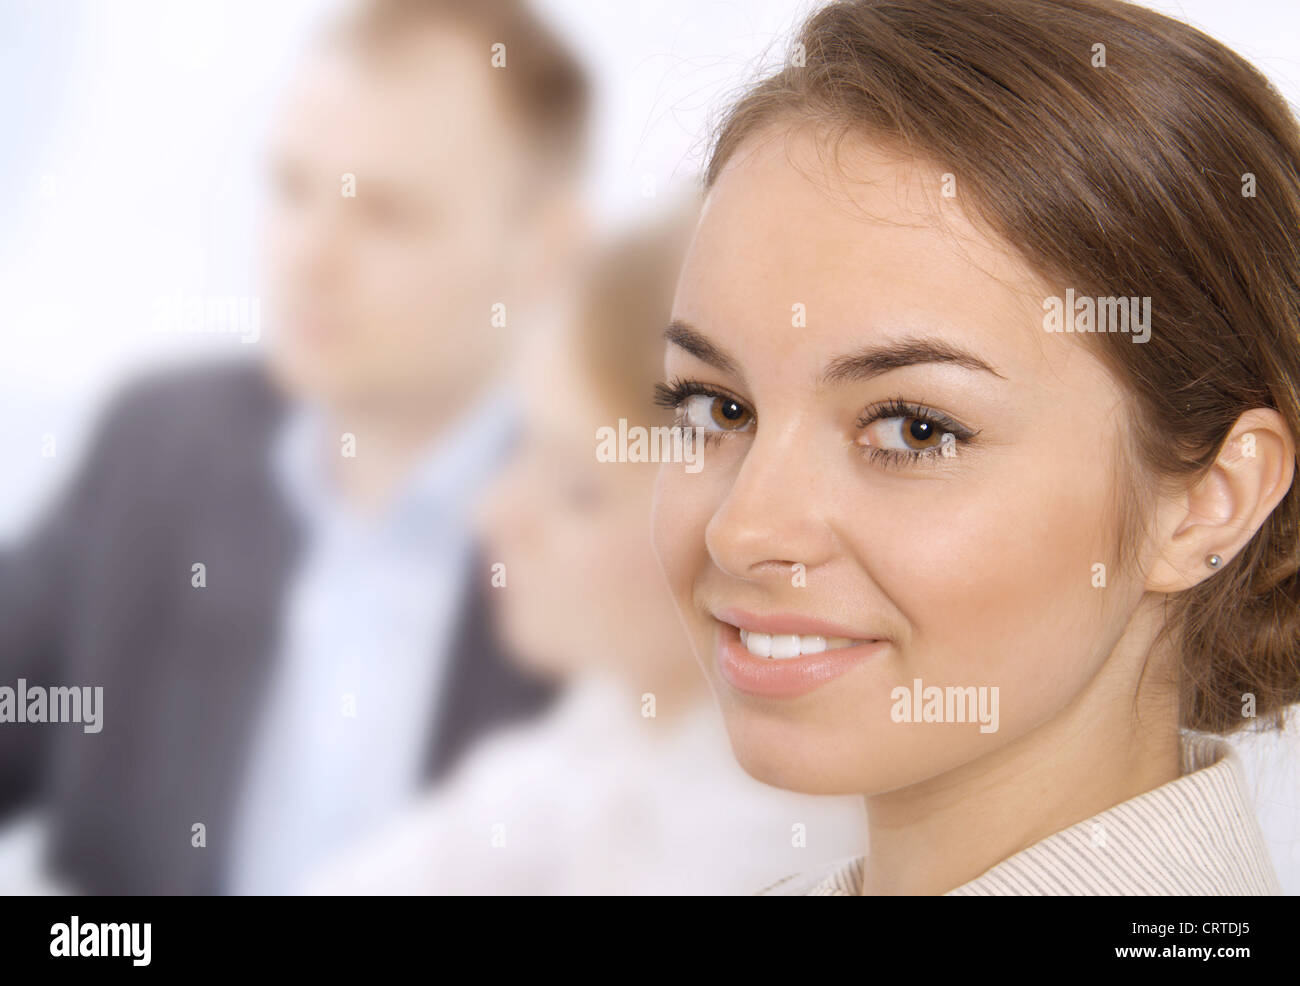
(936,835)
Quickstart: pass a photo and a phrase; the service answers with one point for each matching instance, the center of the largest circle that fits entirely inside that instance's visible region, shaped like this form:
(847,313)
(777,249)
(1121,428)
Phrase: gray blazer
(100,594)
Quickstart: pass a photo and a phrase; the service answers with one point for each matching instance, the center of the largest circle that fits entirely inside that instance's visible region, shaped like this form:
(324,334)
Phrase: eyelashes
(934,423)
(726,410)
(675,392)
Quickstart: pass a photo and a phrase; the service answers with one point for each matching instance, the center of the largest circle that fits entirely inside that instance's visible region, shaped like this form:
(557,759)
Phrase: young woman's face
(808,302)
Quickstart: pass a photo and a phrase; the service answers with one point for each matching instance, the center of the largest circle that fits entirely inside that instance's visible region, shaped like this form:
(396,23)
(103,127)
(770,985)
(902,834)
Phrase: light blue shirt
(369,615)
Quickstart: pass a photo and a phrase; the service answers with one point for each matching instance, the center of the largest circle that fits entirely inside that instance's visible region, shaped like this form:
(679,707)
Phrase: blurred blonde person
(628,785)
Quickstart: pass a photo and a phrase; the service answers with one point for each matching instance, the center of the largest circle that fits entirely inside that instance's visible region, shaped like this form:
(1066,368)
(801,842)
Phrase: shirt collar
(1196,836)
(440,485)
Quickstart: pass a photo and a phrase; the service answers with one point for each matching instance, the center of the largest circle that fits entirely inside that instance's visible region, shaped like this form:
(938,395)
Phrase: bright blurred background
(134,134)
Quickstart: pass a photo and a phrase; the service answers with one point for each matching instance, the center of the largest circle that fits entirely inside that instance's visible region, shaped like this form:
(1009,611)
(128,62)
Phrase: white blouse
(595,798)
(1194,836)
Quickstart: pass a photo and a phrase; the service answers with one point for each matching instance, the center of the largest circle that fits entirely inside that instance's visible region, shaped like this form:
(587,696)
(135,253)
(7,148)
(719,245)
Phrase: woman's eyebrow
(682,334)
(871,361)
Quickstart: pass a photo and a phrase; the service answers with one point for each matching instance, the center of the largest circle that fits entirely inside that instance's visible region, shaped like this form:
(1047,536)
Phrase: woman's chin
(792,766)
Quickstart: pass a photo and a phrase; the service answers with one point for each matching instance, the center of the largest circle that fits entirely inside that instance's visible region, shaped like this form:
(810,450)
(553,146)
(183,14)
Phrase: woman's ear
(1222,511)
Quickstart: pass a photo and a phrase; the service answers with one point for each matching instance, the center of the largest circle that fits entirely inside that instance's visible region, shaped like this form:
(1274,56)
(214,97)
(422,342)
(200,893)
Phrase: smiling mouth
(785,646)
(785,655)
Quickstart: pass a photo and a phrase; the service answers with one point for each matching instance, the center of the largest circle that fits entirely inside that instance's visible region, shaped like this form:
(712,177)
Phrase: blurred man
(268,567)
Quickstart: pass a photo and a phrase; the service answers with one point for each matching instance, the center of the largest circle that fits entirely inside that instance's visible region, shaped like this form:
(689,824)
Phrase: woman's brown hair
(1125,154)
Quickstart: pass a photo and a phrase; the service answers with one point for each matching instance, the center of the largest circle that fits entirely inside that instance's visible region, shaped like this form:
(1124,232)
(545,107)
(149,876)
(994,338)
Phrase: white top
(595,798)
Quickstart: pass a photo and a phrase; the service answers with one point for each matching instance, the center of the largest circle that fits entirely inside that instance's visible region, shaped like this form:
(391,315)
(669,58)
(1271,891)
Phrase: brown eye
(903,433)
(899,433)
(715,413)
(728,414)
(918,431)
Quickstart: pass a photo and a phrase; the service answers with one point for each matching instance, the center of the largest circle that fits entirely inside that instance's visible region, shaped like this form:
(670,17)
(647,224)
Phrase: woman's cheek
(1002,595)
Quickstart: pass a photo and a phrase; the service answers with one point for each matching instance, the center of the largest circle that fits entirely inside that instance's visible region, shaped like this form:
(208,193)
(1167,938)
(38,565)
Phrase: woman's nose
(774,516)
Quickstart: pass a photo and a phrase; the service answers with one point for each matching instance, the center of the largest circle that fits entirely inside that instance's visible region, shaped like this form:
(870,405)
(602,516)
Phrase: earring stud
(1214,561)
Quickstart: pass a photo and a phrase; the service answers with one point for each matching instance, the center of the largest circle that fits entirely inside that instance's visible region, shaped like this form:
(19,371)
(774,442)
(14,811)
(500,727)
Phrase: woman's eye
(902,433)
(715,412)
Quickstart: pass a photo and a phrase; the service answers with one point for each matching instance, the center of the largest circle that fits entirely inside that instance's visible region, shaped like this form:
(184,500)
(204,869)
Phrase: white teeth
(783,646)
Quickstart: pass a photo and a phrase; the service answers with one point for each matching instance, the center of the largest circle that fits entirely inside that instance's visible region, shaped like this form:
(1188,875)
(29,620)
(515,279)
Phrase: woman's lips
(788,623)
(786,677)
